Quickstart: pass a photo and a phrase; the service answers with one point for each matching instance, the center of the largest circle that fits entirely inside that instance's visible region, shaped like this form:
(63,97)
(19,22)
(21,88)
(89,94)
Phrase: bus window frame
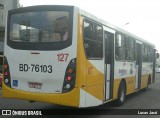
(128,38)
(120,60)
(94,23)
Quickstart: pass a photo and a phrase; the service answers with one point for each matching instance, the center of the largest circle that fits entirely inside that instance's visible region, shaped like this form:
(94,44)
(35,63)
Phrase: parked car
(1,80)
(157,70)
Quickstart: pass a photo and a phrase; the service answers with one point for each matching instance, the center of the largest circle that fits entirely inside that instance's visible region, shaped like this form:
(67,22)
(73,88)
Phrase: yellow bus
(66,56)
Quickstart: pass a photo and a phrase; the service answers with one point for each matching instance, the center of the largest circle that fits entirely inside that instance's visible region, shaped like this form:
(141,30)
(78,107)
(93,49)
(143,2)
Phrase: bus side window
(93,39)
(130,49)
(145,53)
(120,47)
(88,37)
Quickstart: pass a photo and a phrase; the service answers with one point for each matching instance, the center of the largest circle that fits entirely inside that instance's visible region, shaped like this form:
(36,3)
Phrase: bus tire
(121,94)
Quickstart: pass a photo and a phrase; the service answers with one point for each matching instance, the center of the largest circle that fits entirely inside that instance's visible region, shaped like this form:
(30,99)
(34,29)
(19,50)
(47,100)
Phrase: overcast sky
(142,17)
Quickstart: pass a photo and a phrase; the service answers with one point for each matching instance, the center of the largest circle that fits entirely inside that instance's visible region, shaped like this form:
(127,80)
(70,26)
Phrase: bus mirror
(157,55)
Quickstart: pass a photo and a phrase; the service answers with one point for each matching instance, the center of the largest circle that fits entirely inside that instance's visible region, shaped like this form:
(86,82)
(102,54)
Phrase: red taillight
(69,78)
(6,73)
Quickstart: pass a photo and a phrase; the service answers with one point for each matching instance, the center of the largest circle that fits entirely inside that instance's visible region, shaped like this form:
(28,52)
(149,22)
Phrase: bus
(64,55)
(1,53)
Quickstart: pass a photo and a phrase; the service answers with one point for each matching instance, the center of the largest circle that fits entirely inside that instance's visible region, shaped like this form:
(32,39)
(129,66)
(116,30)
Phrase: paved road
(149,99)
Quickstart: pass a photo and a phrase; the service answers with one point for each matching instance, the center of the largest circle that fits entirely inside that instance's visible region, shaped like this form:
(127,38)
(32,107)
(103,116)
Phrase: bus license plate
(35,85)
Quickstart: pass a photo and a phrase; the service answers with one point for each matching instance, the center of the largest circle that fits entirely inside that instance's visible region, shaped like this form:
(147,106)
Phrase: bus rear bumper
(71,98)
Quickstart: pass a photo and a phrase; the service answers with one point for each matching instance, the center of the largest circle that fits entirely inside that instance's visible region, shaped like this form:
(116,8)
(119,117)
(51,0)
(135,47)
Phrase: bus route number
(62,57)
(35,68)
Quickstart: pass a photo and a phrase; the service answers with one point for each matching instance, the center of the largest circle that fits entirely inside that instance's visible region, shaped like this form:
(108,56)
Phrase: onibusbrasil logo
(21,112)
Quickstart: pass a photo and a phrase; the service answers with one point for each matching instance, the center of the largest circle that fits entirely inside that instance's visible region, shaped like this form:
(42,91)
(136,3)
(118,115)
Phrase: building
(5,5)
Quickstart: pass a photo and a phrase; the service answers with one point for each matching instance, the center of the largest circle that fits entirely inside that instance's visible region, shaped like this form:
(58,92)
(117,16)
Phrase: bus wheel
(121,94)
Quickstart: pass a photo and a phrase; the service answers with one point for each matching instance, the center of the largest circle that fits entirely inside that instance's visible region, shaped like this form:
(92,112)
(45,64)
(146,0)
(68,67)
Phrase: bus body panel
(147,68)
(36,68)
(90,75)
(68,99)
(41,71)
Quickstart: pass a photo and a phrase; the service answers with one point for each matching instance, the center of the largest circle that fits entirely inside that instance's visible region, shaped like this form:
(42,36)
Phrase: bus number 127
(62,57)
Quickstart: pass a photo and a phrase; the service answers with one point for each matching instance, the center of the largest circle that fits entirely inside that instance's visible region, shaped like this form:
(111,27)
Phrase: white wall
(8,4)
(5,5)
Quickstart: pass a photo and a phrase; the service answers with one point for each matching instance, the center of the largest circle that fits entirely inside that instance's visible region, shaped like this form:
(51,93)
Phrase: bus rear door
(109,62)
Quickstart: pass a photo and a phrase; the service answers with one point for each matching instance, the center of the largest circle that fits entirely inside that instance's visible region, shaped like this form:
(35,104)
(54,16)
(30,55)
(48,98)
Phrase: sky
(139,17)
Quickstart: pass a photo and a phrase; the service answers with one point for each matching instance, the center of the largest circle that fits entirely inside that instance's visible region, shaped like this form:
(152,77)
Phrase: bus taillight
(6,74)
(70,76)
(70,70)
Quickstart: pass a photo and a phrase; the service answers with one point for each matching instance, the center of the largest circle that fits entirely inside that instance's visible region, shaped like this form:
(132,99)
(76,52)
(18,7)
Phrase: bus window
(93,40)
(145,53)
(130,49)
(120,47)
(40,30)
(26,28)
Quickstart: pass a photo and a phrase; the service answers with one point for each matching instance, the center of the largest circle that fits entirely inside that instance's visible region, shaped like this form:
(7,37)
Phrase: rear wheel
(121,94)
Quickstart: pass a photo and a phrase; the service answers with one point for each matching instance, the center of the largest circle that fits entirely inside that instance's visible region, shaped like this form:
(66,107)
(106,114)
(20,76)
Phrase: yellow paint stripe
(91,83)
(68,99)
(144,81)
(95,82)
(130,82)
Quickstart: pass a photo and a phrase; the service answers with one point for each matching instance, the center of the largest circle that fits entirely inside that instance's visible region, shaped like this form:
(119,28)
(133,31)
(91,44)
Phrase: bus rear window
(44,26)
